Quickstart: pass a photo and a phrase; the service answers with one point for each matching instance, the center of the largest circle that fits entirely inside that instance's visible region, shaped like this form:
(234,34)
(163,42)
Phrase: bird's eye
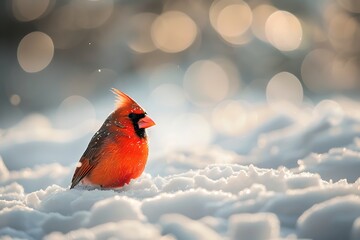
(136,116)
(131,115)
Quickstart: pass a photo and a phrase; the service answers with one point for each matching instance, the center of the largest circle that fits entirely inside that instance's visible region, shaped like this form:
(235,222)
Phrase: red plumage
(117,152)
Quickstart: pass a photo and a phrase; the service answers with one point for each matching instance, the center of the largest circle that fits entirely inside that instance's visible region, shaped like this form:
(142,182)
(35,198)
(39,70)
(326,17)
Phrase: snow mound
(336,164)
(331,219)
(184,228)
(260,226)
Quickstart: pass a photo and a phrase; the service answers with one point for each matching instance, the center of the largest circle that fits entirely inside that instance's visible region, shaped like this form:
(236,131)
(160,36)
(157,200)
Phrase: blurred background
(197,66)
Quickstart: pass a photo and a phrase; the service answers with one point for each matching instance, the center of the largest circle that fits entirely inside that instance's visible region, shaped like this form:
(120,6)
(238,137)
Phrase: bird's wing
(91,156)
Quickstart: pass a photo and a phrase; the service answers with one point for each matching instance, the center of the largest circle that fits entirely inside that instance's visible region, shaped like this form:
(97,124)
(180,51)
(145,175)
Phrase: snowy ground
(286,173)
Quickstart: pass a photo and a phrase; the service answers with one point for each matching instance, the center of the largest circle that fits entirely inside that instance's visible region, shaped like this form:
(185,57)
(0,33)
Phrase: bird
(118,151)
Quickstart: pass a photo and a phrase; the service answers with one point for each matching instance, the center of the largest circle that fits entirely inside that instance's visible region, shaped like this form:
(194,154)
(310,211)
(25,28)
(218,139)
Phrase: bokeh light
(316,69)
(260,14)
(233,118)
(206,82)
(238,40)
(173,31)
(231,19)
(68,115)
(35,52)
(345,73)
(139,38)
(284,31)
(28,10)
(284,87)
(322,71)
(15,99)
(344,38)
(232,73)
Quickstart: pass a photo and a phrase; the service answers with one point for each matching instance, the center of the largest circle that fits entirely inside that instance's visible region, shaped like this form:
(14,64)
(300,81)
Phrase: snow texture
(284,178)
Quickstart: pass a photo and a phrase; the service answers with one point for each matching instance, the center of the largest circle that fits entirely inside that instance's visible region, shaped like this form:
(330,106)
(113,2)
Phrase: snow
(184,228)
(254,226)
(127,229)
(291,174)
(331,219)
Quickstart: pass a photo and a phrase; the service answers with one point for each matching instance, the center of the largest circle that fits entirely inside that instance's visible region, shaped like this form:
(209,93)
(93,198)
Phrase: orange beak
(146,122)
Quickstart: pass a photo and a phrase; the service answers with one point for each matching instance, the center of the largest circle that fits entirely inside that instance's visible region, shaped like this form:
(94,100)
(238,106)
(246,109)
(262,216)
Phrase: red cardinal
(117,152)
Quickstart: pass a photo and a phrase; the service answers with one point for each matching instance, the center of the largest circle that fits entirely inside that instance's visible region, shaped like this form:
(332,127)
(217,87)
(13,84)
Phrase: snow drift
(292,178)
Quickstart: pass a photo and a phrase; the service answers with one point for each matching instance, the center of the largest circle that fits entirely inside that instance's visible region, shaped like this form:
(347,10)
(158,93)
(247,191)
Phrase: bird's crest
(123,100)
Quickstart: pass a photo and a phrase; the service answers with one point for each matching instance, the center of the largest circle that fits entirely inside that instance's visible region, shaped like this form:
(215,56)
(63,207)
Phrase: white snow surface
(294,174)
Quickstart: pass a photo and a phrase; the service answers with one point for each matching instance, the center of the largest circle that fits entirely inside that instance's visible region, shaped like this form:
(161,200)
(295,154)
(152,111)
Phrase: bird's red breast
(117,152)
